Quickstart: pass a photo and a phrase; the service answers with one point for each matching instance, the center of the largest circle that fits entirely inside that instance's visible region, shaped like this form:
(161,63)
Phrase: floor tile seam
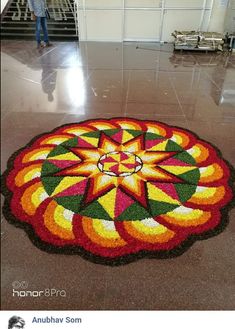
(178,100)
(136,69)
(151,103)
(43,54)
(212,80)
(127,93)
(20,77)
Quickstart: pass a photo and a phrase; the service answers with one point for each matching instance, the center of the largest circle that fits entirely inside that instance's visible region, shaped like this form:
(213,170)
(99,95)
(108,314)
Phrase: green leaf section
(72,203)
(134,133)
(134,212)
(93,134)
(159,208)
(58,150)
(185,191)
(49,169)
(95,210)
(191,176)
(50,183)
(172,146)
(152,136)
(73,142)
(185,157)
(111,132)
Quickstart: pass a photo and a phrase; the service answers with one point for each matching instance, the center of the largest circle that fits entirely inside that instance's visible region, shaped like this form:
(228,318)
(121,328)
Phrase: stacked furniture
(196,40)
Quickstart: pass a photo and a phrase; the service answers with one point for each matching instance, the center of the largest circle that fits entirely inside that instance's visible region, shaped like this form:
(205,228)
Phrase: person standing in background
(38,14)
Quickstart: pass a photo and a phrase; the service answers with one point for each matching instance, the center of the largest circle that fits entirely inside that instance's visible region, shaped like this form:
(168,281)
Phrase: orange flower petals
(212,173)
(186,217)
(151,234)
(37,154)
(27,174)
(58,222)
(208,195)
(199,152)
(98,233)
(32,197)
(55,139)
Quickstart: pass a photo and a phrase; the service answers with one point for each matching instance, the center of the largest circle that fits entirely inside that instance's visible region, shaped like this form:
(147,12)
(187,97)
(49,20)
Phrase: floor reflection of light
(228,97)
(76,88)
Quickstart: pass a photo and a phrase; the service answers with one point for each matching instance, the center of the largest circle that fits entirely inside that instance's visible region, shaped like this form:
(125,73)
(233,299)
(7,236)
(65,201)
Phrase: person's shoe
(40,45)
(48,44)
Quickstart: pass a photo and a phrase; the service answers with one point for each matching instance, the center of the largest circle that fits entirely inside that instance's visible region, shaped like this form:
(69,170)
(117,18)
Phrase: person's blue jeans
(41,22)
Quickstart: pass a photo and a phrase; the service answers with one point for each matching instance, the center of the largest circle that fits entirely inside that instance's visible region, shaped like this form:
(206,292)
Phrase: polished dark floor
(69,82)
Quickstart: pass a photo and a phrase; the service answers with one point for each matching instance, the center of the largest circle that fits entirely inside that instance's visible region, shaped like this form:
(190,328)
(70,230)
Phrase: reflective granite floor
(69,82)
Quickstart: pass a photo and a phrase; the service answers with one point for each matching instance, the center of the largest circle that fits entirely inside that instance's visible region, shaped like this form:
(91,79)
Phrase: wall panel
(173,21)
(142,25)
(104,25)
(143,4)
(184,3)
(108,4)
(146,20)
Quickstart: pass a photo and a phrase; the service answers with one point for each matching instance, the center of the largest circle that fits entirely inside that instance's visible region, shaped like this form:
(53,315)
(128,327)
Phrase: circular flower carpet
(117,190)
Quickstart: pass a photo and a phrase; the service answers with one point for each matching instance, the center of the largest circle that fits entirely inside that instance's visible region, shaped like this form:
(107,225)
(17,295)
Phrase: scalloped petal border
(121,260)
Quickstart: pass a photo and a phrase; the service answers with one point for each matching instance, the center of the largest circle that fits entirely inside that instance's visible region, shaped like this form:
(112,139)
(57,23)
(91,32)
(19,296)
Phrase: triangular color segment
(114,168)
(173,162)
(185,157)
(191,176)
(161,146)
(152,136)
(108,202)
(168,188)
(160,208)
(123,201)
(157,174)
(70,202)
(130,165)
(49,169)
(124,157)
(151,144)
(159,195)
(172,146)
(134,212)
(133,145)
(83,143)
(90,140)
(71,142)
(118,136)
(69,156)
(126,136)
(66,183)
(185,191)
(111,132)
(63,163)
(95,210)
(58,150)
(50,183)
(76,189)
(94,134)
(177,170)
(134,133)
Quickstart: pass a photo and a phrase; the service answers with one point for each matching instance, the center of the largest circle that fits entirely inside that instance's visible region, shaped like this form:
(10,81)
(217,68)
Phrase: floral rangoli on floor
(117,190)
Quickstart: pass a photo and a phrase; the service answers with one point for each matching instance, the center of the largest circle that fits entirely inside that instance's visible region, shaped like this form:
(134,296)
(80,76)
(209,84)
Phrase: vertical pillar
(218,15)
(229,24)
